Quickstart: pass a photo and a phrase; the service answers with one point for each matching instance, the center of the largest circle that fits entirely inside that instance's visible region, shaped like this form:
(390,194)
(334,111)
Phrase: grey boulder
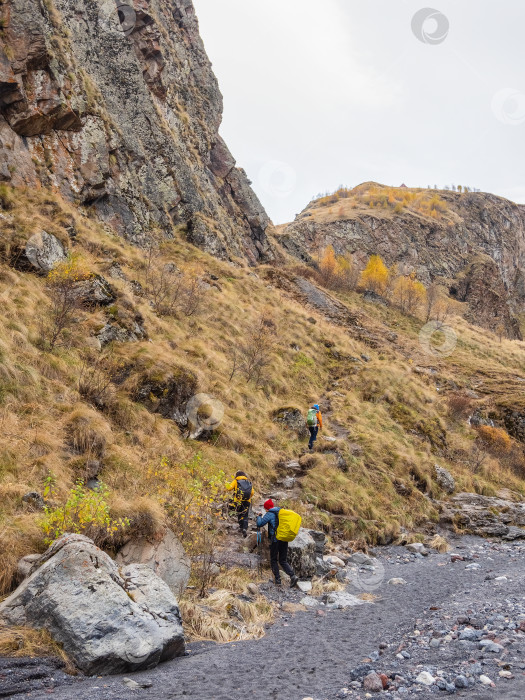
(302,555)
(444,479)
(43,251)
(166,558)
(108,619)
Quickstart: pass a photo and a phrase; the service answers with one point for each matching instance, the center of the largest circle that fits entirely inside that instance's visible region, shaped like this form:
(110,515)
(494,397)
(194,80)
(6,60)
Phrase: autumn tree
(374,277)
(337,271)
(409,293)
(63,287)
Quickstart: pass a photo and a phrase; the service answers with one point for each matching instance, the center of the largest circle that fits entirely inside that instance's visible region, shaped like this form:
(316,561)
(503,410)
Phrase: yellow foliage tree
(374,277)
(337,271)
(409,293)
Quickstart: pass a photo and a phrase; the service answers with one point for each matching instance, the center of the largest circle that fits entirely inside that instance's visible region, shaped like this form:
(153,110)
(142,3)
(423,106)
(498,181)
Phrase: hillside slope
(119,111)
(441,235)
(93,405)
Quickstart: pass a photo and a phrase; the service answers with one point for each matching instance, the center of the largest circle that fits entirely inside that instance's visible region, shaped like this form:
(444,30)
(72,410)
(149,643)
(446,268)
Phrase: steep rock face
(116,105)
(474,225)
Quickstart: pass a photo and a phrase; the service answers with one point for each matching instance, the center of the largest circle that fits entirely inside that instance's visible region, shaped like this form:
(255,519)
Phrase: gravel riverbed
(453,625)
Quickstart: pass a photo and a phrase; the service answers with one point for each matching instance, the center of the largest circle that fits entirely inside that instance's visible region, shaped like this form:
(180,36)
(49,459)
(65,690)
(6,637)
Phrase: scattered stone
(333,560)
(253,589)
(34,500)
(485,680)
(361,559)
(310,602)
(425,678)
(397,582)
(417,548)
(304,586)
(293,607)
(461,682)
(373,683)
(341,600)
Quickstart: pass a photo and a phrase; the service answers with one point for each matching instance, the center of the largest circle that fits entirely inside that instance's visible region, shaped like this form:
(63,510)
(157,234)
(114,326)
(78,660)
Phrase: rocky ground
(439,624)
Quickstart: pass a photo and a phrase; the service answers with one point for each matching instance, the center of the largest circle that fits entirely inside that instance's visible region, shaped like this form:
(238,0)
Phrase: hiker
(278,549)
(242,499)
(314,421)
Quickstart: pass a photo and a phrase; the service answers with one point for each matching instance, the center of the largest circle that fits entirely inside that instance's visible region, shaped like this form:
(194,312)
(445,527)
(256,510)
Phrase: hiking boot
(244,533)
(293,581)
(278,584)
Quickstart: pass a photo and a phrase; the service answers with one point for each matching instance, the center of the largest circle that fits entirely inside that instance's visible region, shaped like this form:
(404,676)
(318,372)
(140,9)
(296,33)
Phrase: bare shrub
(459,405)
(96,379)
(253,356)
(62,285)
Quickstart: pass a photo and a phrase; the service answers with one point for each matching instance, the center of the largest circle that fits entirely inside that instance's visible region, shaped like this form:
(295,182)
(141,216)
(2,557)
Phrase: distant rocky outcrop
(485,515)
(120,111)
(476,246)
(109,619)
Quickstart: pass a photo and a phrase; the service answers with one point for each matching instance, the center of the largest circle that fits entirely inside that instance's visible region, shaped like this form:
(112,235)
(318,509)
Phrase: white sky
(319,93)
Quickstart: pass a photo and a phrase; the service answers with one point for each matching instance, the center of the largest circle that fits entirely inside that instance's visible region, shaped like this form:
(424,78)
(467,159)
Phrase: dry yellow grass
(27,642)
(395,416)
(224,617)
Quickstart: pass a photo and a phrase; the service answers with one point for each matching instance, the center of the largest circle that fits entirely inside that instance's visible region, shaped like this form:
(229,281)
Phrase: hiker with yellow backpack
(283,527)
(241,501)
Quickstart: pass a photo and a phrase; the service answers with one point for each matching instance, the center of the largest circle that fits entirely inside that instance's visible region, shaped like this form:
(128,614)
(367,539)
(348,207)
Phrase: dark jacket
(272,520)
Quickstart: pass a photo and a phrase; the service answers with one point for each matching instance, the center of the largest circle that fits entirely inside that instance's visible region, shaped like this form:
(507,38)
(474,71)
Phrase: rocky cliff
(440,235)
(116,106)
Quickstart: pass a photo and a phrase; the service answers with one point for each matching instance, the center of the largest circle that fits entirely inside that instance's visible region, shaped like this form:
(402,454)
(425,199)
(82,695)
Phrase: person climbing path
(279,547)
(314,421)
(242,498)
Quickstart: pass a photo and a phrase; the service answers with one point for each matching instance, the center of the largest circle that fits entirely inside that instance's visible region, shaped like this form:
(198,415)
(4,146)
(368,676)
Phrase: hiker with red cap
(279,548)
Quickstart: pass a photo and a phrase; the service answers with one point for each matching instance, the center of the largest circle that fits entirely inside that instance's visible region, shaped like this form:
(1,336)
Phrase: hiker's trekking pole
(259,552)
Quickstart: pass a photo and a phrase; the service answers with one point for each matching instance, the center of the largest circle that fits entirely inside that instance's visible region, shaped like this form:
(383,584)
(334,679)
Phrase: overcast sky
(319,93)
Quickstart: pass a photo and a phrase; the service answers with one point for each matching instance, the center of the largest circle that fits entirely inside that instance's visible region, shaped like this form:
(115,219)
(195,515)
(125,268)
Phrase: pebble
(425,678)
(397,582)
(373,683)
(461,682)
(485,680)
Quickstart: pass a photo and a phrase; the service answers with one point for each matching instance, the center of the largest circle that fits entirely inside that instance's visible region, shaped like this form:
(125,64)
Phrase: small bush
(459,405)
(85,512)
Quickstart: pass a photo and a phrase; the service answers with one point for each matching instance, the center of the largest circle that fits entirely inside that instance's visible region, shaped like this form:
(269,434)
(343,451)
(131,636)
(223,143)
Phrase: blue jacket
(272,520)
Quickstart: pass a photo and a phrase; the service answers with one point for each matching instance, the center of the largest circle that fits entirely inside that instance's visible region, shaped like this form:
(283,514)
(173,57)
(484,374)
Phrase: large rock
(302,554)
(42,252)
(166,558)
(444,479)
(291,419)
(109,619)
(167,390)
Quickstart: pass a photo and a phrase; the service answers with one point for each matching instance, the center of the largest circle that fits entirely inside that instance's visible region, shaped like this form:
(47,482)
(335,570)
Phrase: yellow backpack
(289,524)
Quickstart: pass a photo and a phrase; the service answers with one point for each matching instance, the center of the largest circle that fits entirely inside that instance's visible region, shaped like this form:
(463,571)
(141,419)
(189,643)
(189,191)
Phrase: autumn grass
(27,642)
(397,420)
(224,617)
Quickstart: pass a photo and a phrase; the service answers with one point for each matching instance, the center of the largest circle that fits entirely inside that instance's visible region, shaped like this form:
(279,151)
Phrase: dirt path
(312,655)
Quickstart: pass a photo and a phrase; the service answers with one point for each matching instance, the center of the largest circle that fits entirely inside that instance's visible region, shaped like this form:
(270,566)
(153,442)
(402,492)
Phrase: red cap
(268,504)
